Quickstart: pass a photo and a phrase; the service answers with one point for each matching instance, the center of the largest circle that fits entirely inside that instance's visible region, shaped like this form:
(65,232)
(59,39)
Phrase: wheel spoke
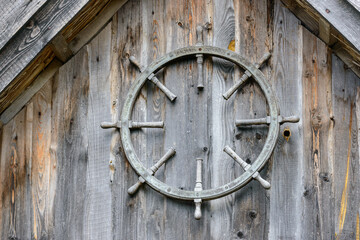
(154,80)
(246,166)
(105,125)
(200,57)
(266,120)
(245,77)
(133,125)
(256,121)
(171,152)
(198,188)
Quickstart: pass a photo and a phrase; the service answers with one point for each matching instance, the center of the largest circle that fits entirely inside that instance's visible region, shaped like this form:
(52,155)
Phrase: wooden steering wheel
(250,171)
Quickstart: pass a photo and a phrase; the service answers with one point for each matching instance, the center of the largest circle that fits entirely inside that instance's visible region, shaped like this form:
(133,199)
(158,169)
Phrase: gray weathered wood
(221,121)
(69,145)
(181,78)
(42,180)
(97,220)
(77,175)
(318,127)
(334,11)
(24,98)
(325,30)
(14,15)
(154,101)
(252,39)
(90,31)
(129,221)
(346,158)
(355,4)
(29,42)
(61,48)
(14,181)
(286,165)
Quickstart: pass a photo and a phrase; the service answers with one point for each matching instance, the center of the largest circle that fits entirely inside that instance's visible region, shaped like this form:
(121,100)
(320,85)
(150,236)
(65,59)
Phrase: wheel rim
(225,189)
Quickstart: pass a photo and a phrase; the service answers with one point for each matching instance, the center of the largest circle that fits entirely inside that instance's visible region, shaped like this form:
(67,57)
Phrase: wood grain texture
(85,16)
(69,145)
(151,142)
(24,97)
(128,211)
(333,11)
(14,15)
(97,223)
(346,164)
(253,38)
(77,176)
(355,4)
(43,181)
(177,113)
(24,80)
(30,41)
(286,164)
(221,121)
(318,196)
(15,217)
(96,24)
(85,25)
(322,26)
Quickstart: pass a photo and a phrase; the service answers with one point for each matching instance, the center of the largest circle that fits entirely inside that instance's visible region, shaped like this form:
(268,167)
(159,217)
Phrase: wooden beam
(91,19)
(324,28)
(355,4)
(14,15)
(61,48)
(24,98)
(307,17)
(26,77)
(96,25)
(342,16)
(343,54)
(30,41)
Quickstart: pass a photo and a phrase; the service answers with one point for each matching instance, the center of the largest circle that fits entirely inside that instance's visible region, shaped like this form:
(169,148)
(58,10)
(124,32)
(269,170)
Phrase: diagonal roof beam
(336,22)
(342,16)
(14,15)
(30,40)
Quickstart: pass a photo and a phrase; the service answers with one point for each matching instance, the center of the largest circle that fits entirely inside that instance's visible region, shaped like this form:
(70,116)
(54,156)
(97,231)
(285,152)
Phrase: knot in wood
(316,119)
(252,214)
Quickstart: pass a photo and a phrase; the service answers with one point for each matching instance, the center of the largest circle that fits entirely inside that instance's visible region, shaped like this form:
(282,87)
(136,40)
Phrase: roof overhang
(336,22)
(56,30)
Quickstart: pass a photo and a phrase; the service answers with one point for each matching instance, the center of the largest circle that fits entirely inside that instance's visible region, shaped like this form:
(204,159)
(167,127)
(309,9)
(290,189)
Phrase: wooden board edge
(26,95)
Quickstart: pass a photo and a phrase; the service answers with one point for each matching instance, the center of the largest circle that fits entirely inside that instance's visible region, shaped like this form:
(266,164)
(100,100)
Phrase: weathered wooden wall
(63,177)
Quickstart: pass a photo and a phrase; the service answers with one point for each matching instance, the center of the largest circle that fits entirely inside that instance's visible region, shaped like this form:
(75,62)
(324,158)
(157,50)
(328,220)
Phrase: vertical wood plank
(179,169)
(41,178)
(97,218)
(221,122)
(153,100)
(318,156)
(21,184)
(29,119)
(253,38)
(14,180)
(129,211)
(152,47)
(69,145)
(285,214)
(346,164)
(200,15)
(5,171)
(56,145)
